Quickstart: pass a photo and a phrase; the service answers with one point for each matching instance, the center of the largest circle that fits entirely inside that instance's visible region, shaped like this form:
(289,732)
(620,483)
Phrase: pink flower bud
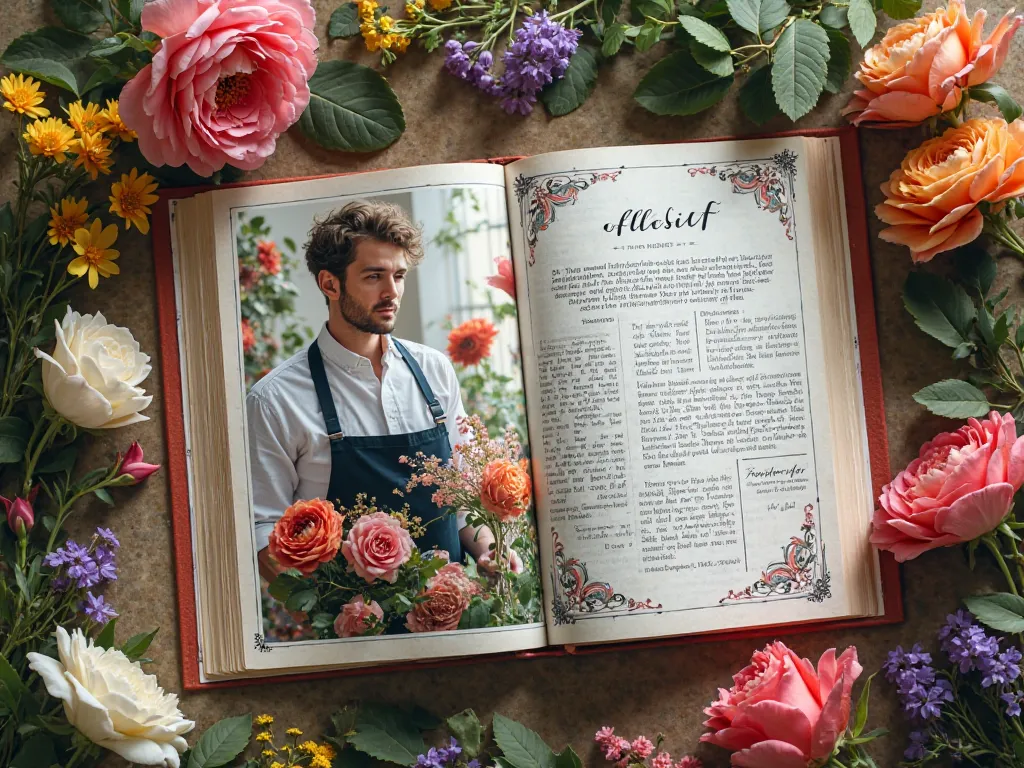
(134,466)
(20,516)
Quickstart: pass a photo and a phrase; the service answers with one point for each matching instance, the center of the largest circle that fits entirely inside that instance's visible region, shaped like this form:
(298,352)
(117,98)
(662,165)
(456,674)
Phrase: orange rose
(932,199)
(308,534)
(505,489)
(918,69)
(470,342)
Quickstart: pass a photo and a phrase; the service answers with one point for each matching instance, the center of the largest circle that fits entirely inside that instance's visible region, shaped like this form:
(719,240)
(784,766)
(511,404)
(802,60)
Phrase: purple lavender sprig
(538,56)
(79,567)
(447,756)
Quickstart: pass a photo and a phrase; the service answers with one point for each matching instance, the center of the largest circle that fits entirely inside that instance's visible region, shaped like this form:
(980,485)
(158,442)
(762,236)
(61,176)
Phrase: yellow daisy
(22,95)
(319,761)
(293,732)
(95,256)
(116,124)
(66,221)
(264,719)
(264,736)
(87,119)
(93,152)
(131,197)
(50,137)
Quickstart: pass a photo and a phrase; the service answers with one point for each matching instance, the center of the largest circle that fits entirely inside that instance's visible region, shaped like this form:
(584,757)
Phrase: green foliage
(351,108)
(862,20)
(466,727)
(1001,611)
(678,85)
(954,398)
(575,86)
(344,21)
(991,93)
(800,68)
(520,746)
(221,743)
(385,733)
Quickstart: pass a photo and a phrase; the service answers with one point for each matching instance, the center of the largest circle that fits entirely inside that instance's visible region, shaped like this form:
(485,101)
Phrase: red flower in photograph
(269,256)
(308,534)
(248,336)
(470,342)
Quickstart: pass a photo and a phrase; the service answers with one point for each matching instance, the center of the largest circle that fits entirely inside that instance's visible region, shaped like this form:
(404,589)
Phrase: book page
(456,317)
(678,404)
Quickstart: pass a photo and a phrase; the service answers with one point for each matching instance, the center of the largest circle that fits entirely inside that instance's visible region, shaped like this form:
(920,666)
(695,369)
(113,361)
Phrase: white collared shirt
(289,452)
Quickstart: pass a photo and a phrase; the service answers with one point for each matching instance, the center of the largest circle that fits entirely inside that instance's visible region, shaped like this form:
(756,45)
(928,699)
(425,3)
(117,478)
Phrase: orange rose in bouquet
(447,595)
(932,199)
(920,68)
(308,534)
(505,488)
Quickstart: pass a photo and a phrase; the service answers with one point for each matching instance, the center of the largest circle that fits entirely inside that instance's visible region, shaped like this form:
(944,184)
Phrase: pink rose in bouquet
(447,595)
(959,487)
(781,712)
(228,77)
(377,547)
(357,617)
(919,68)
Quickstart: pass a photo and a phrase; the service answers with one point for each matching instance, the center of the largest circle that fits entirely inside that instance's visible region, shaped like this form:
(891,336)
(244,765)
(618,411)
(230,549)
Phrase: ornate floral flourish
(543,194)
(576,594)
(802,569)
(261,645)
(765,180)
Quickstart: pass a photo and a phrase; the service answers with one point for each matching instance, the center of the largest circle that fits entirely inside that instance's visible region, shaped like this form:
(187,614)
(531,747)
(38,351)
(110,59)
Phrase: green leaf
(800,68)
(758,16)
(108,46)
(48,54)
(520,746)
(940,308)
(222,742)
(136,645)
(105,639)
(11,681)
(132,10)
(901,9)
(657,9)
(58,461)
(678,85)
(833,16)
(862,21)
(344,21)
(609,11)
(756,97)
(104,495)
(303,600)
(860,718)
(282,587)
(953,398)
(567,758)
(78,15)
(1001,611)
(6,220)
(614,37)
(36,752)
(713,61)
(574,87)
(650,35)
(466,727)
(384,732)
(14,434)
(996,94)
(351,108)
(706,34)
(975,267)
(839,61)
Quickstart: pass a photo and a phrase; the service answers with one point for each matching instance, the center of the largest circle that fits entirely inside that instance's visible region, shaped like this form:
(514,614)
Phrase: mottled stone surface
(565,699)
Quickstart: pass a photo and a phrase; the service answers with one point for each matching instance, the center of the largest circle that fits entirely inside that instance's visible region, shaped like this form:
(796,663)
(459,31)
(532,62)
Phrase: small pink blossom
(689,761)
(642,747)
(134,466)
(662,760)
(504,280)
(605,735)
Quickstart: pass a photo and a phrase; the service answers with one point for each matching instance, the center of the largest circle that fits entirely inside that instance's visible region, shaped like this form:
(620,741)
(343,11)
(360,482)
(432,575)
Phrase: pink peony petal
(770,754)
(170,17)
(777,721)
(977,513)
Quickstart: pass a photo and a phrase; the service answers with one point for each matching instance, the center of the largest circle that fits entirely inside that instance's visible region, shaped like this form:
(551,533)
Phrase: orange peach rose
(505,488)
(919,68)
(932,199)
(308,534)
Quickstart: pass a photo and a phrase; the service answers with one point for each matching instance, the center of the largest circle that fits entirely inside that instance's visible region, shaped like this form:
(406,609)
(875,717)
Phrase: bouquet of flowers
(489,478)
(359,572)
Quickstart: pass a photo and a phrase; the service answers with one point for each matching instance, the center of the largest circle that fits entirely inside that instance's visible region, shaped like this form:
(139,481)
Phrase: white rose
(93,377)
(113,702)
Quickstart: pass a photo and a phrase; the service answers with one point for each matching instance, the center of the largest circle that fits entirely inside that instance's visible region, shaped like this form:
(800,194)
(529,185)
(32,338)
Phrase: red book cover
(176,461)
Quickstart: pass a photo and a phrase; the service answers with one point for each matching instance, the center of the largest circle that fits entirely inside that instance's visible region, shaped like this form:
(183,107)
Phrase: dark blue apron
(370,464)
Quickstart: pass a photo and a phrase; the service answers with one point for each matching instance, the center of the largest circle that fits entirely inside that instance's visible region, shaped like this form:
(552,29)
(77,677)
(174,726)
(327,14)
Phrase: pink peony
(959,488)
(780,712)
(377,547)
(504,280)
(355,617)
(228,77)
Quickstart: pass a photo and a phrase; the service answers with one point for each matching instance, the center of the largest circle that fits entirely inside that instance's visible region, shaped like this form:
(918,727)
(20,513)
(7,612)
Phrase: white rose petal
(92,378)
(113,702)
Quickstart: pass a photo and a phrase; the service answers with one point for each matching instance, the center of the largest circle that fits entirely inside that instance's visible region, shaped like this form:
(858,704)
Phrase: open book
(686,365)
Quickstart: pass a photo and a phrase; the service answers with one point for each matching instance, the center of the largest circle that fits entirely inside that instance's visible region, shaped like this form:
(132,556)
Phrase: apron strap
(421,381)
(323,392)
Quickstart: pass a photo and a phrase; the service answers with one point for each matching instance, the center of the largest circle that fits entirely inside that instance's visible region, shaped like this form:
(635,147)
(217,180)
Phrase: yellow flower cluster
(88,134)
(379,33)
(308,754)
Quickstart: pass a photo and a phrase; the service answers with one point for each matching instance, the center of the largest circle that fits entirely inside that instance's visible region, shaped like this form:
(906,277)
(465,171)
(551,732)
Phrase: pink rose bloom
(377,547)
(504,280)
(780,712)
(228,77)
(959,488)
(447,595)
(354,619)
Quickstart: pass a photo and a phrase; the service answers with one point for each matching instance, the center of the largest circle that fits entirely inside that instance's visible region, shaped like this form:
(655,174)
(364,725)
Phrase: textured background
(565,699)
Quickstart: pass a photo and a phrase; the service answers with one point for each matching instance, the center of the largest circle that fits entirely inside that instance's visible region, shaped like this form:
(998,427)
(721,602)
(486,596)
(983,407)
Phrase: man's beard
(356,316)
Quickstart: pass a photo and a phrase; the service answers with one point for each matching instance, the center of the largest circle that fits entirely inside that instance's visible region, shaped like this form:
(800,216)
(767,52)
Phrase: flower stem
(993,545)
